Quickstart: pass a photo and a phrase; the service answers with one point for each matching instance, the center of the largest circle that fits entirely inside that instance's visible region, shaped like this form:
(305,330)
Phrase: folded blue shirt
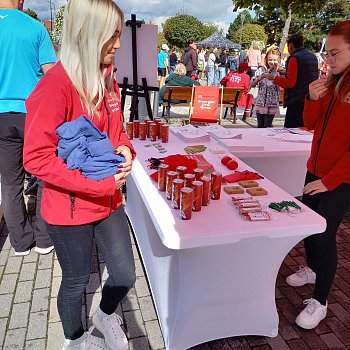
(84,147)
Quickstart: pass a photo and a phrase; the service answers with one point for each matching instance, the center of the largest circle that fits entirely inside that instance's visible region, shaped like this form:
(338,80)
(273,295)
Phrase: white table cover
(212,276)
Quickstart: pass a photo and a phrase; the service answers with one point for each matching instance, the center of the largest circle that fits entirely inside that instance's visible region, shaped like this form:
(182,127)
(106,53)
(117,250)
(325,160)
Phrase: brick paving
(29,318)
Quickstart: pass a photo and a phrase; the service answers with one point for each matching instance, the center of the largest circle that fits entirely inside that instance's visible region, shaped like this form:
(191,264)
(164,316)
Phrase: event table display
(212,276)
(282,158)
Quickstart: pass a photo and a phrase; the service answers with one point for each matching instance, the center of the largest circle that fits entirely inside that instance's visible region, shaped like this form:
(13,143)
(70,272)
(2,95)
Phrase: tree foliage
(161,40)
(58,23)
(31,13)
(313,27)
(250,33)
(288,7)
(236,24)
(208,29)
(182,27)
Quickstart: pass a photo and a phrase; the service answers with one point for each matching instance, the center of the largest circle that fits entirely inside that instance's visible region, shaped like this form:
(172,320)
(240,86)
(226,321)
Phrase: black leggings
(264,120)
(321,248)
(73,245)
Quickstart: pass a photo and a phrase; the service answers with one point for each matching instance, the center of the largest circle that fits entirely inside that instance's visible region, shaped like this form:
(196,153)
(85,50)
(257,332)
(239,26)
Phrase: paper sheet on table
(233,145)
(288,137)
(189,133)
(219,132)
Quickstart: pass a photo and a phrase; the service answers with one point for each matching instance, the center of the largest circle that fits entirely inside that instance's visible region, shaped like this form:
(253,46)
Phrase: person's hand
(315,187)
(125,168)
(268,76)
(119,180)
(317,89)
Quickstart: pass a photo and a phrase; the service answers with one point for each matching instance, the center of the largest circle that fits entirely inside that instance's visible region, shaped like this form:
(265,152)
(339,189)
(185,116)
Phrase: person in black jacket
(172,60)
(191,58)
(223,63)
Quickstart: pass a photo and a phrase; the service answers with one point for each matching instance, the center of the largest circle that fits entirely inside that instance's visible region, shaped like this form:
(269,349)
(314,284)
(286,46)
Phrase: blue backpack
(233,62)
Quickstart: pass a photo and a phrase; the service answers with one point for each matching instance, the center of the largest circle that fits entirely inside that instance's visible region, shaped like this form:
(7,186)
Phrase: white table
(283,163)
(213,276)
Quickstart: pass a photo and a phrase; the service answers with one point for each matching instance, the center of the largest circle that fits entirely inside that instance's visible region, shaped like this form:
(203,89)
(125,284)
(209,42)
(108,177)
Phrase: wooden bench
(176,93)
(230,97)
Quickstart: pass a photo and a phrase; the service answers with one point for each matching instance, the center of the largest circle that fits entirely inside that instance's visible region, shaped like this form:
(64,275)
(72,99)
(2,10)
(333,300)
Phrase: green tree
(236,24)
(288,7)
(58,23)
(31,13)
(208,29)
(180,28)
(273,23)
(250,32)
(161,40)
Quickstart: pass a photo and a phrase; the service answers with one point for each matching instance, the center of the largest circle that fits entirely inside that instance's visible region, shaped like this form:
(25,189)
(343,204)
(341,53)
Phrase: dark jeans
(264,120)
(73,245)
(23,234)
(294,115)
(321,249)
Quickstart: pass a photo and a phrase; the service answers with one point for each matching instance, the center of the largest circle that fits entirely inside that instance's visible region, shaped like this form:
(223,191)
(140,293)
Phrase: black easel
(134,89)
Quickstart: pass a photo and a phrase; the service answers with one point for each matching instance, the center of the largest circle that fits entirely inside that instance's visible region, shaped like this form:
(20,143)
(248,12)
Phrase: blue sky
(218,12)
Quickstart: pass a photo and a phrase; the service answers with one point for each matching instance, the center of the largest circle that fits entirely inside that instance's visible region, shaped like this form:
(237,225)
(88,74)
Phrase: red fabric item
(53,102)
(241,175)
(238,80)
(291,75)
(244,66)
(331,159)
(176,160)
(191,161)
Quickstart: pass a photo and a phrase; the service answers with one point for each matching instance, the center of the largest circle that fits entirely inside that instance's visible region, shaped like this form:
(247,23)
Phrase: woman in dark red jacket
(327,184)
(77,209)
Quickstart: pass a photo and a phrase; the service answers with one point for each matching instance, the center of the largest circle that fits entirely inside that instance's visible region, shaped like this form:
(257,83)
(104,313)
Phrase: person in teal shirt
(26,54)
(162,64)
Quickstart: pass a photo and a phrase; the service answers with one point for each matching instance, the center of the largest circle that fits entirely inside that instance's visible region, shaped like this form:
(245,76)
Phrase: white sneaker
(26,252)
(96,343)
(303,276)
(76,344)
(312,315)
(44,251)
(109,326)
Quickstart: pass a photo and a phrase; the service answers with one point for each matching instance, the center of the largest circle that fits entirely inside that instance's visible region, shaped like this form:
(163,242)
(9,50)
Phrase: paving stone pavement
(29,317)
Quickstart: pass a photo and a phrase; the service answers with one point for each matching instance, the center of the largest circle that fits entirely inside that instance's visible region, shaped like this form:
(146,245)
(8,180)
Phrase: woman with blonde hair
(254,57)
(78,209)
(179,78)
(327,183)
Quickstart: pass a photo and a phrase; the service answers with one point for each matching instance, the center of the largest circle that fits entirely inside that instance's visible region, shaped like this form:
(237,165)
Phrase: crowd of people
(39,97)
(289,75)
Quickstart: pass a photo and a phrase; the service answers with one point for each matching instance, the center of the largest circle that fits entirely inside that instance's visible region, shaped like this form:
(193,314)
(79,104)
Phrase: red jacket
(53,102)
(238,80)
(330,156)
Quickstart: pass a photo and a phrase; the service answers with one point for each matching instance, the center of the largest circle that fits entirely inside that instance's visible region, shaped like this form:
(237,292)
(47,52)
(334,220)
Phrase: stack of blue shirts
(84,147)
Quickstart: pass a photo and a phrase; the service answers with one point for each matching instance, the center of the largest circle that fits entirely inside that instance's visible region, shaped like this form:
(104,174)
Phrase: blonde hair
(256,45)
(180,69)
(340,83)
(87,26)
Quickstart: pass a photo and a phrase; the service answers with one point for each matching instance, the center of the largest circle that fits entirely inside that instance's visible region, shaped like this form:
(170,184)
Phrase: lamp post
(243,14)
(51,4)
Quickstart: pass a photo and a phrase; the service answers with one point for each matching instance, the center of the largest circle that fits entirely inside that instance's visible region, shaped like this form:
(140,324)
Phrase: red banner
(205,104)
